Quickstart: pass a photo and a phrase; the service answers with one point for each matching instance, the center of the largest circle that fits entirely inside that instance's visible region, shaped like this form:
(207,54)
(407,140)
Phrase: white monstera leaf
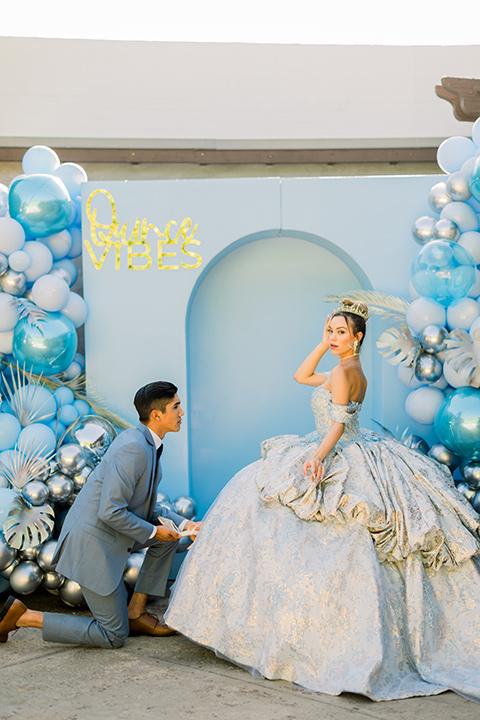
(27,526)
(463,354)
(397,346)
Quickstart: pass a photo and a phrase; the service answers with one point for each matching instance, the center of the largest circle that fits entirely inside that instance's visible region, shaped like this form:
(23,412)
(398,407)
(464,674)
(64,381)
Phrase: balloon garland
(51,434)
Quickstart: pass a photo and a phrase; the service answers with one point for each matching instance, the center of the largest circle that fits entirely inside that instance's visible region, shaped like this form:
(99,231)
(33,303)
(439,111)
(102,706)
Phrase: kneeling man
(114,514)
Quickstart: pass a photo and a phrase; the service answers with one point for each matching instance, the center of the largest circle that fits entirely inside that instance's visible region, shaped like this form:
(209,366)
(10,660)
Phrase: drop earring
(355,347)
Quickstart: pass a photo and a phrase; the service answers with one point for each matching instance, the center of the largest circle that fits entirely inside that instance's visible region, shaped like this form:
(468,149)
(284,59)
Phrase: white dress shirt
(158,442)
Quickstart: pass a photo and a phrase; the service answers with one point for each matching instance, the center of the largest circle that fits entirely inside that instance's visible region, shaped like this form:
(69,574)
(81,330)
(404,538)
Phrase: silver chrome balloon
(167,505)
(30,553)
(13,282)
(466,490)
(26,578)
(52,581)
(71,594)
(35,492)
(458,186)
(7,554)
(446,230)
(8,570)
(475,500)
(183,544)
(471,474)
(81,478)
(95,435)
(185,506)
(422,229)
(432,338)
(70,459)
(132,570)
(415,442)
(45,556)
(428,368)
(444,456)
(438,197)
(162,497)
(60,487)
(3,263)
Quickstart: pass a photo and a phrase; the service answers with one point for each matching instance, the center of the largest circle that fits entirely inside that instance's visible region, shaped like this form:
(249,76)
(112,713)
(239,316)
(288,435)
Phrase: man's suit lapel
(155,471)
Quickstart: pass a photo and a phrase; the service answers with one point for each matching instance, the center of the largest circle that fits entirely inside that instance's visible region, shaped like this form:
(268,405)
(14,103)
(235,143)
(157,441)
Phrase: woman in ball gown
(342,560)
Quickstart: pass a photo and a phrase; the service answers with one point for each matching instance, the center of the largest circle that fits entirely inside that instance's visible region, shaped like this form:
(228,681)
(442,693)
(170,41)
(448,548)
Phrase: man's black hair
(154,396)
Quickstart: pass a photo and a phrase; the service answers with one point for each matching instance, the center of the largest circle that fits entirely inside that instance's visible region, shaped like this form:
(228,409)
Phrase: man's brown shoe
(149,624)
(12,610)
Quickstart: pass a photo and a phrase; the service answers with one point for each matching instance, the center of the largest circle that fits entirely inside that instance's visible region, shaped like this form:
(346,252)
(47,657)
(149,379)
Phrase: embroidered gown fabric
(367,583)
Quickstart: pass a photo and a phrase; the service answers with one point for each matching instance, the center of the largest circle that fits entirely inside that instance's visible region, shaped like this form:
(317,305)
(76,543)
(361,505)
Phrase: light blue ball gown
(367,583)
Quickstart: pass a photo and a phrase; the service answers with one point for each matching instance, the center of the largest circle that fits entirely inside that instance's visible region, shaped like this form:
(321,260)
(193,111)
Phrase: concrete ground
(172,678)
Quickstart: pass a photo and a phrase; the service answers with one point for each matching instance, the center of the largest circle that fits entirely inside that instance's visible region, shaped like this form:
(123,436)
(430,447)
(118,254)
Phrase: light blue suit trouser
(109,626)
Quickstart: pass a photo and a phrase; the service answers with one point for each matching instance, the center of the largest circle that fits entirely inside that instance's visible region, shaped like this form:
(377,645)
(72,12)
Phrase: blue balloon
(47,347)
(9,430)
(38,438)
(67,414)
(38,403)
(40,203)
(64,396)
(83,407)
(7,496)
(457,422)
(443,271)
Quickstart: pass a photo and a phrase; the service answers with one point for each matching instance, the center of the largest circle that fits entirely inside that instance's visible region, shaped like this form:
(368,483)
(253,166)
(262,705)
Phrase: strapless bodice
(324,411)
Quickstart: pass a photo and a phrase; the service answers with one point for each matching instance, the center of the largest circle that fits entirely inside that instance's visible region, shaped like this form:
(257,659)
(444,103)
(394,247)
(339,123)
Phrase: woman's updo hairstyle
(356,315)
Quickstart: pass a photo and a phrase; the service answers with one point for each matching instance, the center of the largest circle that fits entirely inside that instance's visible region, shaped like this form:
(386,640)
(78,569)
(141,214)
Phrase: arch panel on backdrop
(229,284)
(263,298)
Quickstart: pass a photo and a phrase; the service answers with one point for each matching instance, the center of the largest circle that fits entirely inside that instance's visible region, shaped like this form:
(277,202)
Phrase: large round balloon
(424,311)
(12,236)
(95,435)
(475,180)
(422,405)
(443,271)
(40,159)
(457,423)
(453,152)
(40,203)
(47,347)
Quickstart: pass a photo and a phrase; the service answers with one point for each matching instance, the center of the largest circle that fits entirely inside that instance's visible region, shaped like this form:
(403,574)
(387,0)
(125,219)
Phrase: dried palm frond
(22,391)
(397,346)
(26,525)
(53,383)
(463,354)
(29,310)
(25,465)
(387,306)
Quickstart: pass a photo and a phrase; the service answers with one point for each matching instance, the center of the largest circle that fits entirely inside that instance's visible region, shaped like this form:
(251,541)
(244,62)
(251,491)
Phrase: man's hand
(165,535)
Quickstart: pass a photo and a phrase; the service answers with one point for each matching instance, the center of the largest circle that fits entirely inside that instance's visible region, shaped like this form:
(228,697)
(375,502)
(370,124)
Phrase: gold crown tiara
(353,307)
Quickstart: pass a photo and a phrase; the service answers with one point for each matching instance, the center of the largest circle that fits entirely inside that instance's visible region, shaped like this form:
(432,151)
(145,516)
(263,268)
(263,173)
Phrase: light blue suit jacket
(113,510)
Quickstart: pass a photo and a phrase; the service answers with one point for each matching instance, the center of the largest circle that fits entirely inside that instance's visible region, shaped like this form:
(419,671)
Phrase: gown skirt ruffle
(367,583)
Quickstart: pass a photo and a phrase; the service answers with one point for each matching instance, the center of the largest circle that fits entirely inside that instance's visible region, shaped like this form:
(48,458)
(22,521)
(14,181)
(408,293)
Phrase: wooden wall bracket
(463,94)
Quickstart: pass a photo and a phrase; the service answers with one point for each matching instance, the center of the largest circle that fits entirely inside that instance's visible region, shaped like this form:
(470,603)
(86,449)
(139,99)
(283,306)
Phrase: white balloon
(6,342)
(470,240)
(475,291)
(462,215)
(59,244)
(40,159)
(453,152)
(12,235)
(8,313)
(423,312)
(462,313)
(422,405)
(73,370)
(454,378)
(406,375)
(19,260)
(50,293)
(76,309)
(41,258)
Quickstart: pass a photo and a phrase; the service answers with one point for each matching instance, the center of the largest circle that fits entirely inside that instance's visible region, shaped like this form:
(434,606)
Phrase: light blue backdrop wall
(231,332)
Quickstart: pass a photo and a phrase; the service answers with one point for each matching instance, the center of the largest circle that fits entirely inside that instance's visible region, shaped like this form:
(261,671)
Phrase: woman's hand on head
(325,337)
(315,469)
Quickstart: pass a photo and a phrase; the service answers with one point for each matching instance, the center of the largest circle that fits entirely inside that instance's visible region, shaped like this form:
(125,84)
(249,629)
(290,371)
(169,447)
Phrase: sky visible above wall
(317,22)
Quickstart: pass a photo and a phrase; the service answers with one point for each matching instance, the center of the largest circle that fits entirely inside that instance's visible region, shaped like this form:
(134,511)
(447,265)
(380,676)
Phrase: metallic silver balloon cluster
(428,366)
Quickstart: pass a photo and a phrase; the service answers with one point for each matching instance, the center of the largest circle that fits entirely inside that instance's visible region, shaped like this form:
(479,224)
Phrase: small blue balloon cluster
(444,317)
